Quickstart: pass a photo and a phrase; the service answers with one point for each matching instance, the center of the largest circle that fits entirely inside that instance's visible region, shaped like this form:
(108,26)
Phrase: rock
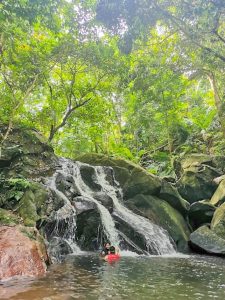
(196,181)
(128,234)
(19,255)
(27,153)
(219,195)
(218,221)
(200,212)
(32,205)
(204,240)
(161,213)
(8,218)
(217,180)
(83,204)
(89,229)
(170,194)
(132,178)
(140,181)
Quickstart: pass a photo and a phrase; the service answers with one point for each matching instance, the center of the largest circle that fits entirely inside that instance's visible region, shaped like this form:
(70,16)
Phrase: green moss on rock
(170,194)
(32,205)
(200,212)
(219,195)
(218,221)
(8,218)
(133,178)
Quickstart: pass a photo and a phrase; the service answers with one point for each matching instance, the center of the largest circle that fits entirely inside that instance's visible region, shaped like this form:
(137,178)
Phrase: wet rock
(89,230)
(83,204)
(88,175)
(204,240)
(19,255)
(138,241)
(219,195)
(132,178)
(161,213)
(218,221)
(200,213)
(169,193)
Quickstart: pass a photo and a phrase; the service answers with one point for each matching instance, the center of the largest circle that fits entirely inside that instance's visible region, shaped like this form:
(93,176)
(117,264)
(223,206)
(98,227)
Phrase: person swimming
(105,250)
(113,255)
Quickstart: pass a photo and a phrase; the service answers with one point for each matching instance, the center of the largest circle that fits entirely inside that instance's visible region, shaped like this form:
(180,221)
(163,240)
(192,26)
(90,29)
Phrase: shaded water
(87,277)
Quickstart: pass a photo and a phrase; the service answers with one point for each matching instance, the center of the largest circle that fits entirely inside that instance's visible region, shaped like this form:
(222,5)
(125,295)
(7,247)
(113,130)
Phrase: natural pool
(87,277)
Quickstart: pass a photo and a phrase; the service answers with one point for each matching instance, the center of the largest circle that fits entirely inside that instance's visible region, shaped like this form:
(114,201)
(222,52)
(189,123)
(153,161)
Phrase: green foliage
(14,189)
(63,73)
(7,218)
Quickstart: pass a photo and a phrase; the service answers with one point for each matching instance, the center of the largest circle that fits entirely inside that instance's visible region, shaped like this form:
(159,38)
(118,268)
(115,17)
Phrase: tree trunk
(220,104)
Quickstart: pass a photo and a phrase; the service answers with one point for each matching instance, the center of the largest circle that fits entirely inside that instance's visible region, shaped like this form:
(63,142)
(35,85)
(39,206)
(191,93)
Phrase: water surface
(87,277)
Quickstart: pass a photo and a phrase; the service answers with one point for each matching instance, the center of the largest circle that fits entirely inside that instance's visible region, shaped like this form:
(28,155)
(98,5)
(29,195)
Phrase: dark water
(87,277)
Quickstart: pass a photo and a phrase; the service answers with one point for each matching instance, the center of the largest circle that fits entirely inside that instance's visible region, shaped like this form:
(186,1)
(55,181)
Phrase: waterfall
(85,191)
(156,239)
(64,225)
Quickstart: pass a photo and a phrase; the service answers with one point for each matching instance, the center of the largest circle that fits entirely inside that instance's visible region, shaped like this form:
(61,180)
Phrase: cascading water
(62,232)
(156,239)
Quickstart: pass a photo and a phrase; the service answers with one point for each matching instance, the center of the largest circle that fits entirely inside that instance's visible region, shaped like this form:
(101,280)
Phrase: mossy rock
(132,178)
(197,172)
(200,213)
(8,218)
(204,240)
(32,205)
(219,195)
(195,160)
(218,221)
(161,213)
(169,193)
(199,185)
(27,153)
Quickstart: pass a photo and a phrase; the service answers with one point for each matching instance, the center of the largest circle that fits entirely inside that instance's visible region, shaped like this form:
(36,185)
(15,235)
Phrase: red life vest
(113,257)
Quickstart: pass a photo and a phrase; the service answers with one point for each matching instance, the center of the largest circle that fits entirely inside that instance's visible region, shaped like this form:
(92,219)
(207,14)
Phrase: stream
(85,276)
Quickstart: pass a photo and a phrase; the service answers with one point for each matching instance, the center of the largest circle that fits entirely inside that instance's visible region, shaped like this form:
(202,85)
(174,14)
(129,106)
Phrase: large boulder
(205,240)
(27,153)
(218,221)
(169,193)
(132,178)
(20,253)
(219,195)
(161,213)
(200,213)
(197,173)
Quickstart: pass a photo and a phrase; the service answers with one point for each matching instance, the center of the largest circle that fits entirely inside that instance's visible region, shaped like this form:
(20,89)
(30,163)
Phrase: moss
(132,177)
(32,206)
(8,218)
(29,232)
(218,221)
(219,195)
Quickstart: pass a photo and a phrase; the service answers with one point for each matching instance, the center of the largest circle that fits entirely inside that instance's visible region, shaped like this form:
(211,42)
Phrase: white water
(156,238)
(85,191)
(67,213)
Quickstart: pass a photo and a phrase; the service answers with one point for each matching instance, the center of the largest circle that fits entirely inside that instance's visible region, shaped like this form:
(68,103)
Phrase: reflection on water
(87,277)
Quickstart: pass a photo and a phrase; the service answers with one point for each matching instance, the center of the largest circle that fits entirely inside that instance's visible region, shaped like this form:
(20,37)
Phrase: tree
(200,24)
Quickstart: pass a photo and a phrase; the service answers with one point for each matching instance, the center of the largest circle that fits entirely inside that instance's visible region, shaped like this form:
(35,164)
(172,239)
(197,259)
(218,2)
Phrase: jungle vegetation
(140,79)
